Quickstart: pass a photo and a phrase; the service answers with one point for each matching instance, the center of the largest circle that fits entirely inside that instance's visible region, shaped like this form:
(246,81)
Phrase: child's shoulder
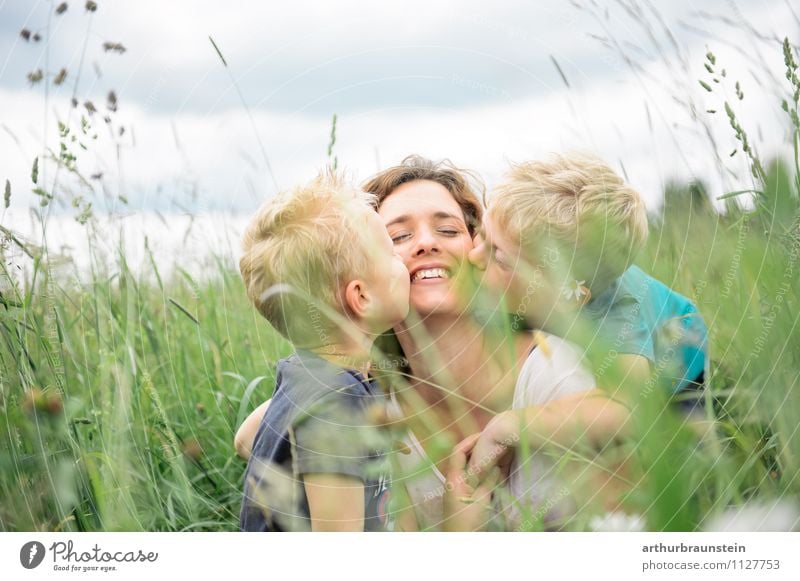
(306,379)
(664,299)
(555,368)
(623,296)
(635,289)
(637,284)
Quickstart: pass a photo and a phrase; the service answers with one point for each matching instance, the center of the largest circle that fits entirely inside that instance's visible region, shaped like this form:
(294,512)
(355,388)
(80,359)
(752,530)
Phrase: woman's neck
(437,342)
(457,365)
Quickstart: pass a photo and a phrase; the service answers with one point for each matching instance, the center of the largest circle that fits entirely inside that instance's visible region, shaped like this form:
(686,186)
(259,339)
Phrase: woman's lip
(429,281)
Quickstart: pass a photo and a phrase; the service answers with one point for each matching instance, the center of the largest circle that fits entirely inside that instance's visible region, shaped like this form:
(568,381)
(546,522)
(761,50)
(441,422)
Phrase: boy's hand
(466,507)
(493,447)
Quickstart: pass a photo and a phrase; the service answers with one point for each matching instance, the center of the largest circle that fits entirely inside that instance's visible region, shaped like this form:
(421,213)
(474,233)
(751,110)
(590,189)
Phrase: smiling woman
(461,371)
(432,213)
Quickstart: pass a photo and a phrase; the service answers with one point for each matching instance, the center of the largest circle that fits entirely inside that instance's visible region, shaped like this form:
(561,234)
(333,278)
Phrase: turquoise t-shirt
(640,315)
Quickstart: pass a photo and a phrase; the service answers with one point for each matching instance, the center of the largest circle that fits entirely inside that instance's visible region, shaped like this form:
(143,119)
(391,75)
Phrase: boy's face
(499,258)
(388,280)
(510,272)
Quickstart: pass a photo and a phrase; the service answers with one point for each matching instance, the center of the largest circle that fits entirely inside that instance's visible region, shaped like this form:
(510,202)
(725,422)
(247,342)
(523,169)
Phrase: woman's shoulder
(554,349)
(554,368)
(536,345)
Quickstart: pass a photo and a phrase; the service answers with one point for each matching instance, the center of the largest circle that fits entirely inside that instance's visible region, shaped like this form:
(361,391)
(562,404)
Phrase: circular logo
(31,554)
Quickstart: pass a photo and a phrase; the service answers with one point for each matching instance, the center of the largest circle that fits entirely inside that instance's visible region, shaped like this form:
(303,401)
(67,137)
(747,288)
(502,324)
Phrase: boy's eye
(502,265)
(500,261)
(449,231)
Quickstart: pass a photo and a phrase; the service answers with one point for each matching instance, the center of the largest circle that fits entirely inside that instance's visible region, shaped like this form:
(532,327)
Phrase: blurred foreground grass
(119,399)
(120,395)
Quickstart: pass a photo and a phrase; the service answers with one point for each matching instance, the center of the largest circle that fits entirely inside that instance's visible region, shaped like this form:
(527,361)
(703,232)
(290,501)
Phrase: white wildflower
(617,522)
(782,515)
(576,290)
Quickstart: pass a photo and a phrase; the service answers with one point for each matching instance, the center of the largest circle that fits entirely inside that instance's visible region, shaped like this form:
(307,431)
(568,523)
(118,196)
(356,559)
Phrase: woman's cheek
(469,245)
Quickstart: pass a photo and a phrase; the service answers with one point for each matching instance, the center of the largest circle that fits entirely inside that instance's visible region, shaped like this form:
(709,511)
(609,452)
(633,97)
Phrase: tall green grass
(742,271)
(120,396)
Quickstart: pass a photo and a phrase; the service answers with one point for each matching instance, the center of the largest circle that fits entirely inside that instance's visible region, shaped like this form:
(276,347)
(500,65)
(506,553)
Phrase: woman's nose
(477,256)
(426,242)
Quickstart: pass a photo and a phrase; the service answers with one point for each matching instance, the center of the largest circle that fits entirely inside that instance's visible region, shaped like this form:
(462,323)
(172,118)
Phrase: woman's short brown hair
(462,184)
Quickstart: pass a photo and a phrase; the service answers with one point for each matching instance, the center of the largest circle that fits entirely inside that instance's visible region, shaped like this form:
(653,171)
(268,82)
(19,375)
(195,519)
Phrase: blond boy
(320,267)
(559,240)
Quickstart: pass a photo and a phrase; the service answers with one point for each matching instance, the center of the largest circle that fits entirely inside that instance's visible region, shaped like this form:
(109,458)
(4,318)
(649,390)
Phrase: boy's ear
(357,298)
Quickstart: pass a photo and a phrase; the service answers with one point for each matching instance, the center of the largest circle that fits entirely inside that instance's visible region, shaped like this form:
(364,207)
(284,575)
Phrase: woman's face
(428,230)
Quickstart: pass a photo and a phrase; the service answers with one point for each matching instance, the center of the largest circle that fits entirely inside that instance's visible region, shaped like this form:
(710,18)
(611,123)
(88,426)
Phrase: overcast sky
(473,81)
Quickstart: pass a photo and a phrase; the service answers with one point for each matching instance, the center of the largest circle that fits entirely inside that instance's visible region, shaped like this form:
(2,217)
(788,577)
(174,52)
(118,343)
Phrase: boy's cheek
(508,283)
(494,278)
(518,292)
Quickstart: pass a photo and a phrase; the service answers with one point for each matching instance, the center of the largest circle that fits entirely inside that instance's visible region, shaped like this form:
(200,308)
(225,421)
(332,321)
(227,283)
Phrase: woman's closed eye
(449,231)
(400,237)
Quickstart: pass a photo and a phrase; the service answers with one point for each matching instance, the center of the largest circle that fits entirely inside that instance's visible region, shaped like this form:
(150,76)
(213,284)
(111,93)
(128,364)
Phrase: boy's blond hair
(300,249)
(576,200)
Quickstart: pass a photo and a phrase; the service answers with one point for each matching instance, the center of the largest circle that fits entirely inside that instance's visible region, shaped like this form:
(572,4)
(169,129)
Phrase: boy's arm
(333,444)
(335,502)
(597,417)
(590,417)
(246,434)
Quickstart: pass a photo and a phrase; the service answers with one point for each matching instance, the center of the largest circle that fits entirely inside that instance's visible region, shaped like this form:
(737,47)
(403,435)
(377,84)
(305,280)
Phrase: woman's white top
(544,377)
(424,484)
(550,372)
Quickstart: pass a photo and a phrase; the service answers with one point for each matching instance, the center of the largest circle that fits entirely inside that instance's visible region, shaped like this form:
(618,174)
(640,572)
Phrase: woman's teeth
(430,273)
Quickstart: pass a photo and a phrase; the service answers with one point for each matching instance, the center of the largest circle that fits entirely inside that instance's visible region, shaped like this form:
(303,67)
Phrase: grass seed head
(35,76)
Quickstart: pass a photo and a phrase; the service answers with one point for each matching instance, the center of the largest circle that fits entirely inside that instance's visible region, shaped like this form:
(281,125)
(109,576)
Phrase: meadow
(120,391)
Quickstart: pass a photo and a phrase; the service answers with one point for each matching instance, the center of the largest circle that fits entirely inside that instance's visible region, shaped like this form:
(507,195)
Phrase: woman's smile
(430,274)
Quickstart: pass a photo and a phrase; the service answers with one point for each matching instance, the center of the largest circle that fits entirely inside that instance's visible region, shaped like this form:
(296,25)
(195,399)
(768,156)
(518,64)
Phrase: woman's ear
(357,298)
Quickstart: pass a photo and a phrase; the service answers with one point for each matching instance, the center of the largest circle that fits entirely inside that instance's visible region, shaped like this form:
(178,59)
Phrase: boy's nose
(477,256)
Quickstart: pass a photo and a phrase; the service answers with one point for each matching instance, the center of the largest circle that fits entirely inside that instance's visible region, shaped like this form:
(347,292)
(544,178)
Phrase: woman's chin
(427,302)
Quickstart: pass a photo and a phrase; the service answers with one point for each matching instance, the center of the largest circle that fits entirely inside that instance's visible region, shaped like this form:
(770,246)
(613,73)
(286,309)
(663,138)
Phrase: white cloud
(457,106)
(467,81)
